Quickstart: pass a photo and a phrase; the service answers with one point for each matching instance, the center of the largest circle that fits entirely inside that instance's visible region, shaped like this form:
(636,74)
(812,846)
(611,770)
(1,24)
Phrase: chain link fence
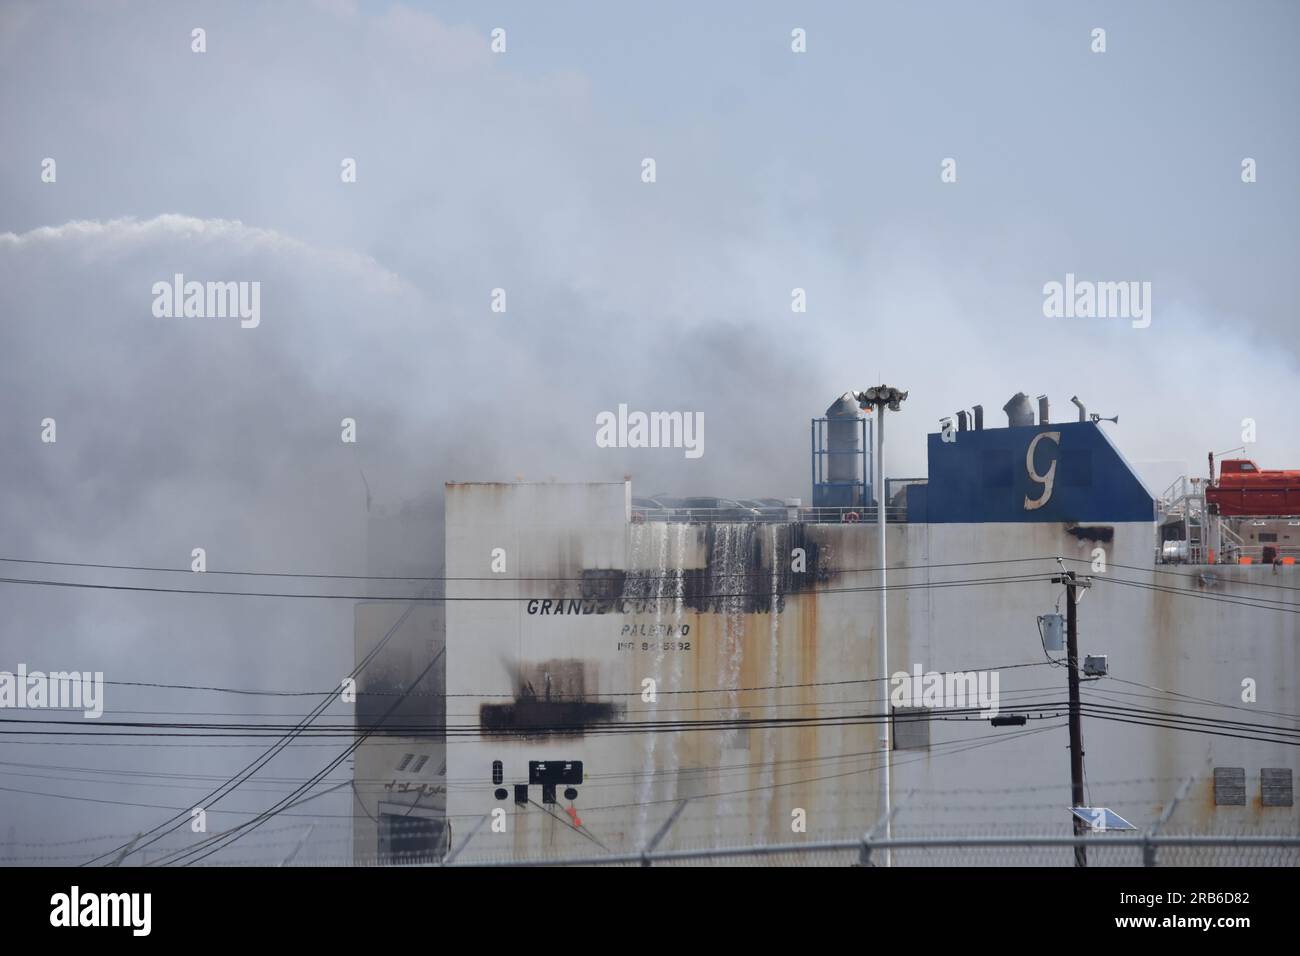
(330,844)
(1125,849)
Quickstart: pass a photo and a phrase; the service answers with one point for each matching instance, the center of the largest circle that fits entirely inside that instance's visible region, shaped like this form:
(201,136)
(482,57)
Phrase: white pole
(884,625)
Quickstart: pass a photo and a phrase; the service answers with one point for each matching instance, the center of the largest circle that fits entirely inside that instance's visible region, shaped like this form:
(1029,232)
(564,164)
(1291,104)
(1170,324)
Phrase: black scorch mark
(550,701)
(1102,533)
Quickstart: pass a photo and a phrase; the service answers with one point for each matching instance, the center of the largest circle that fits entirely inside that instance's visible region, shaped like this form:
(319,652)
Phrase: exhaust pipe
(1042,409)
(1019,411)
(1083,412)
(979,418)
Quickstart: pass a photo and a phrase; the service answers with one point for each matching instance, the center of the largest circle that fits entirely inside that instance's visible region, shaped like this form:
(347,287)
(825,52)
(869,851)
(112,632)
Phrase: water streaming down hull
(656,581)
(656,590)
(731,585)
(778,555)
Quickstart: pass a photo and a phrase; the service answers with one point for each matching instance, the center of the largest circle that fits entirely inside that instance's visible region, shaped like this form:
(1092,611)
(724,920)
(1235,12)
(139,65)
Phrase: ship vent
(1275,787)
(1229,786)
(911,730)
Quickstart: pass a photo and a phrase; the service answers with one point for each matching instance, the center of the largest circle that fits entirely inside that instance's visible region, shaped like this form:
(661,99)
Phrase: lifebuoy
(850,517)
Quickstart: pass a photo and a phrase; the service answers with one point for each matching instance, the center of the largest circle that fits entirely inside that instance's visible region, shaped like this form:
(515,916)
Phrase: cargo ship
(621,670)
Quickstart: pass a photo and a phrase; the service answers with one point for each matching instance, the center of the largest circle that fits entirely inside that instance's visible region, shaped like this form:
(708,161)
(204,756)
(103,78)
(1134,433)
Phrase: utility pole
(879,398)
(1072,584)
(885,735)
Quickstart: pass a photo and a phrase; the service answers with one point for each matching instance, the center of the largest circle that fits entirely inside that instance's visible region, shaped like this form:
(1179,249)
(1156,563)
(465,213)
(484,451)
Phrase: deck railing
(844,515)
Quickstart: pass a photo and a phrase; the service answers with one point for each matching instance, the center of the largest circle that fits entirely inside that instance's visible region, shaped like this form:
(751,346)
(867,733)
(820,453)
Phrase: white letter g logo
(1044,480)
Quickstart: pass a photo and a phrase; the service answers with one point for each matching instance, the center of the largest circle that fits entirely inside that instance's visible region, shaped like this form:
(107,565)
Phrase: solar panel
(1101,818)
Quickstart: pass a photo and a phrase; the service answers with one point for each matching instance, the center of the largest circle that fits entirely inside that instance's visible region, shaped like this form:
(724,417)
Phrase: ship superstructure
(655,671)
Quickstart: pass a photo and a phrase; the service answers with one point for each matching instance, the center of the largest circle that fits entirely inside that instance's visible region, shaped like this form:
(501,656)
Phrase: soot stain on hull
(551,700)
(544,718)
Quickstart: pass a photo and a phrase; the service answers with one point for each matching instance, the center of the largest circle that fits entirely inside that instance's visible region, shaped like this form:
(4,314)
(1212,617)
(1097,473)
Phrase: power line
(247,827)
(637,575)
(476,782)
(1172,720)
(1197,718)
(147,806)
(661,599)
(224,690)
(1155,569)
(480,695)
(195,743)
(633,574)
(1199,700)
(1168,720)
(818,702)
(475,731)
(1264,604)
(773,786)
(1199,730)
(1002,738)
(1128,782)
(958,746)
(642,600)
(216,795)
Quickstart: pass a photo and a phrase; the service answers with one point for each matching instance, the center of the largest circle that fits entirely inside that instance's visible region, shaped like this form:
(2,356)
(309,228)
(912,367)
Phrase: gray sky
(522,171)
